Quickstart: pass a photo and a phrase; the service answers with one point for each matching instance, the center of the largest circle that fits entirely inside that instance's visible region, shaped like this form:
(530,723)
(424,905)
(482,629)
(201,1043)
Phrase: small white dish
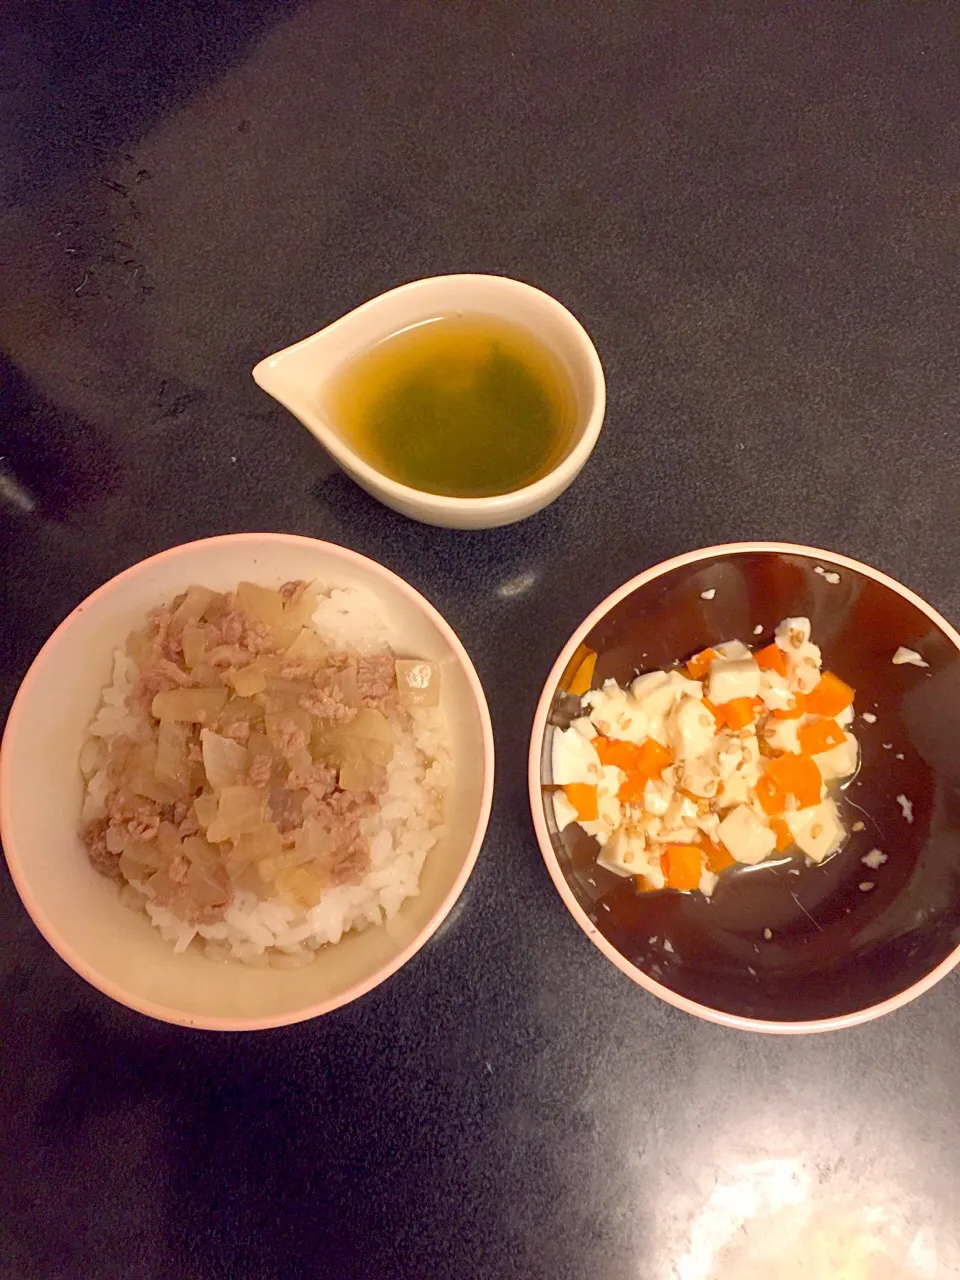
(296,376)
(80,913)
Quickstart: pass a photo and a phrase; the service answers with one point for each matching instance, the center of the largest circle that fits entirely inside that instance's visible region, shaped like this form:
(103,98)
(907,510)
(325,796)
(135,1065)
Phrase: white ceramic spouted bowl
(296,376)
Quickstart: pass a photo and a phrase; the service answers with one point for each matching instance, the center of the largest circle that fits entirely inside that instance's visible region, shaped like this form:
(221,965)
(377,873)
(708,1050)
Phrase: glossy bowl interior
(79,912)
(837,954)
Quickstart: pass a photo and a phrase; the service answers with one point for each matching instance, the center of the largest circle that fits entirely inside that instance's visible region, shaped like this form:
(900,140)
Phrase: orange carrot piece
(830,696)
(820,735)
(717,856)
(798,709)
(681,865)
(771,798)
(583,797)
(739,712)
(632,788)
(644,885)
(652,758)
(796,776)
(783,833)
(699,664)
(618,752)
(772,658)
(583,676)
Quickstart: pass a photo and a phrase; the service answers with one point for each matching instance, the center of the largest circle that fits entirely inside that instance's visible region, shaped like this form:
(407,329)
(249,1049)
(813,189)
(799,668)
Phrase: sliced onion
(205,808)
(240,810)
(224,761)
(194,645)
(197,705)
(253,846)
(308,647)
(192,607)
(263,604)
(172,767)
(316,839)
(204,888)
(361,775)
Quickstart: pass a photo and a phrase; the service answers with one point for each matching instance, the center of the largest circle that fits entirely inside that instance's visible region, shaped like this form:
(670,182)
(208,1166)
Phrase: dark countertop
(754,210)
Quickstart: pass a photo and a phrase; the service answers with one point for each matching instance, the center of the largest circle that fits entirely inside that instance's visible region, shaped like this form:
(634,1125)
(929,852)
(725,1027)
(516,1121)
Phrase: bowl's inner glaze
(834,948)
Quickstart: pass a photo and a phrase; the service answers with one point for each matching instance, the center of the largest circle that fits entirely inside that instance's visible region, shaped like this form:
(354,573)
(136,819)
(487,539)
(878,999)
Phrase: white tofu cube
(679,835)
(613,711)
(782,735)
(563,811)
(748,839)
(840,761)
(609,809)
(775,691)
(690,729)
(802,655)
(573,758)
(732,649)
(584,726)
(818,831)
(657,797)
(624,853)
(733,678)
(646,683)
(845,718)
(708,882)
(680,811)
(709,824)
(736,790)
(792,633)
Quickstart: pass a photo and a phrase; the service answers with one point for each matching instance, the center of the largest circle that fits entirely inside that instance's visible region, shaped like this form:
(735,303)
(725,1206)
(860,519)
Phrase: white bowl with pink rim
(297,375)
(80,913)
(836,955)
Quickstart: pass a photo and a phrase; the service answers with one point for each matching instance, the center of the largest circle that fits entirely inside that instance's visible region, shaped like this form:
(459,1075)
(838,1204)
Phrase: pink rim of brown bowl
(298,1006)
(837,955)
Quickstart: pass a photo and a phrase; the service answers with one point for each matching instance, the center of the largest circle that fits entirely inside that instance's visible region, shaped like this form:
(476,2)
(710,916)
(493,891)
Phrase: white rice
(401,833)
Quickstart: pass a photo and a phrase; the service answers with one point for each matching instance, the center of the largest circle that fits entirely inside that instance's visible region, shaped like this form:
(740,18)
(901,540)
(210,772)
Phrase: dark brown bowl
(837,954)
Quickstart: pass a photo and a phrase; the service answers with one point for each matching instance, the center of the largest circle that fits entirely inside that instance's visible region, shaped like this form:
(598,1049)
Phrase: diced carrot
(820,735)
(798,709)
(652,758)
(796,776)
(618,752)
(770,796)
(783,833)
(772,658)
(583,676)
(583,797)
(632,788)
(739,712)
(699,664)
(644,885)
(717,856)
(714,711)
(577,658)
(830,696)
(681,865)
